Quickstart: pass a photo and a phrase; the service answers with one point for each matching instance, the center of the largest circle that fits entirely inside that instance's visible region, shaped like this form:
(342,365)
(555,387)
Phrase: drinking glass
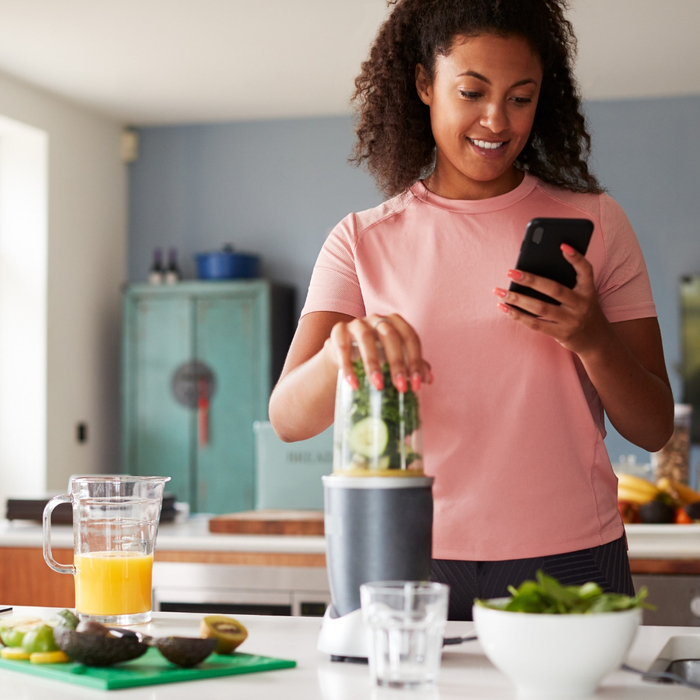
(115,523)
(406,622)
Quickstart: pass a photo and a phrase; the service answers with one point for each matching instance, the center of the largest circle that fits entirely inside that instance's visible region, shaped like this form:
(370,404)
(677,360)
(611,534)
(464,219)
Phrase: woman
(470,120)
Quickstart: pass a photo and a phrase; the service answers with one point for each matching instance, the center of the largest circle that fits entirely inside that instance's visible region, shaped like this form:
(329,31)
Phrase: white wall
(23,278)
(87,232)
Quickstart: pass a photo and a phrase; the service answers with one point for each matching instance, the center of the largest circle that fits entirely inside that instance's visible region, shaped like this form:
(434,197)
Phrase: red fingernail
(515,274)
(377,380)
(504,308)
(500,292)
(400,383)
(352,381)
(415,381)
(567,249)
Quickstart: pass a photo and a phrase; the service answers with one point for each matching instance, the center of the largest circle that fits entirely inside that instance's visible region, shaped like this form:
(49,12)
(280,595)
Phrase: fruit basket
(665,502)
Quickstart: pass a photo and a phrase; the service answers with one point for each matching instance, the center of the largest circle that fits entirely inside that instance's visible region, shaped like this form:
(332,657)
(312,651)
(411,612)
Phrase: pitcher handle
(48,556)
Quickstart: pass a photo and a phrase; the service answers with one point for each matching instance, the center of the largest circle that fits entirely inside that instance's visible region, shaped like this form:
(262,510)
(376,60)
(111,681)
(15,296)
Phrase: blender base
(344,637)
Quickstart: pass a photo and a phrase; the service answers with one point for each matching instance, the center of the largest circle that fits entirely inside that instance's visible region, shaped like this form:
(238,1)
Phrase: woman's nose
(495,118)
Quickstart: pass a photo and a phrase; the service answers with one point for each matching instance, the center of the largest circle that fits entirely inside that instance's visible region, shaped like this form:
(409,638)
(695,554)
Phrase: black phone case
(541,255)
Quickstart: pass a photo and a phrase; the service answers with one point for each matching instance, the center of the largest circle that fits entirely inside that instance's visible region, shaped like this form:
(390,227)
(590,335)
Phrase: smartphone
(541,255)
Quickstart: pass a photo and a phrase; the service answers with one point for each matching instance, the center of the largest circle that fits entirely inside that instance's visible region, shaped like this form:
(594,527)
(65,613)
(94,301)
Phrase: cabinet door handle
(203,412)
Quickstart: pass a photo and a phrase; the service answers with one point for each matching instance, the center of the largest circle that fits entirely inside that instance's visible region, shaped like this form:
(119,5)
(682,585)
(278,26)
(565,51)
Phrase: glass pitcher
(377,432)
(115,522)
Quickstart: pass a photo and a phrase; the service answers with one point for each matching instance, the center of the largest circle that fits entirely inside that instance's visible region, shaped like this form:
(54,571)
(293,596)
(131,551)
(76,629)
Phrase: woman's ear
(424,85)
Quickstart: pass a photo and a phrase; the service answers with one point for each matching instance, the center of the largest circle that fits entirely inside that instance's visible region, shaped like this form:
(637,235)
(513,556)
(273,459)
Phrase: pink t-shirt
(512,426)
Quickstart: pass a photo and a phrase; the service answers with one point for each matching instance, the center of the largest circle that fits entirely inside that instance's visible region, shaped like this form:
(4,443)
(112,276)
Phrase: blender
(378,504)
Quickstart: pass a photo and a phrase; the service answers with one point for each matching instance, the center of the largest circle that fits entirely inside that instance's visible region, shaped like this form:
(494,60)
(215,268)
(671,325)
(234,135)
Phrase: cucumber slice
(384,462)
(369,437)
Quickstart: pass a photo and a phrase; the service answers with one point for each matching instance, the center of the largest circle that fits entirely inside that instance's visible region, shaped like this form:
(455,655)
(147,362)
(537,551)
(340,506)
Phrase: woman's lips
(488,149)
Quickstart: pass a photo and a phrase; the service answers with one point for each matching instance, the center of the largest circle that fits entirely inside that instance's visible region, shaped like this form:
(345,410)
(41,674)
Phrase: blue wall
(278,187)
(271,187)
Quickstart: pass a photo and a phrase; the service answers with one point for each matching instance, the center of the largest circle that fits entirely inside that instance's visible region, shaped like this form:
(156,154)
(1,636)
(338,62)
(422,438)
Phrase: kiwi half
(229,633)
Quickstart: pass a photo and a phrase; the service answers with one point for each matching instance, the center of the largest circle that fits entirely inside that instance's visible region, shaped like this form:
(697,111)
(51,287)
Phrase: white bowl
(555,656)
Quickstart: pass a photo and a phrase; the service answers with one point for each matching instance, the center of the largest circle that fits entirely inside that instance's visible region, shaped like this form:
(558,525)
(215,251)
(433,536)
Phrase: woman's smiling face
(482,101)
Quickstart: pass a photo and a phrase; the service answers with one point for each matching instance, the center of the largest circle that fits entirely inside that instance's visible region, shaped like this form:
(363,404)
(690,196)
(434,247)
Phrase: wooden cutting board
(269,522)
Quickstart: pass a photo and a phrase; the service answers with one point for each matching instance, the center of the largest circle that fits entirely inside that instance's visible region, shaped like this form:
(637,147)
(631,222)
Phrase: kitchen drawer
(222,588)
(222,600)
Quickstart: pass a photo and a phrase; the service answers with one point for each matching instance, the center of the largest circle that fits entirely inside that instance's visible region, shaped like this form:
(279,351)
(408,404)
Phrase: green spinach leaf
(548,596)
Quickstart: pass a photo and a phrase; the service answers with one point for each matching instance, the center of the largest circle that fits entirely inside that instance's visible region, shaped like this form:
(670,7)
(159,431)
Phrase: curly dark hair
(394,137)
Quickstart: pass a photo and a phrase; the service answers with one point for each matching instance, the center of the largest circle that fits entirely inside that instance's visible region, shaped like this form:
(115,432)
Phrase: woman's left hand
(624,361)
(578,324)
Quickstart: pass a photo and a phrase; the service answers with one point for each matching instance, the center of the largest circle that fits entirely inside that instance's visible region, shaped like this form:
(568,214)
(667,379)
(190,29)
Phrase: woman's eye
(522,100)
(469,95)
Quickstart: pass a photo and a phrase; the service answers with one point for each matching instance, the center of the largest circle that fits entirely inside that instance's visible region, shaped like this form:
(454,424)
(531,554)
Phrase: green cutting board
(149,669)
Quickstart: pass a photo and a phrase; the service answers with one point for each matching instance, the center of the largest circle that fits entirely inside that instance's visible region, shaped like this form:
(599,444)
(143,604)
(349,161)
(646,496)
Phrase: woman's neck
(456,187)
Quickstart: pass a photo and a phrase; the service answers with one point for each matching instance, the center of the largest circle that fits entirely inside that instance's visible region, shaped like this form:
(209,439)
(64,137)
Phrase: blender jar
(377,432)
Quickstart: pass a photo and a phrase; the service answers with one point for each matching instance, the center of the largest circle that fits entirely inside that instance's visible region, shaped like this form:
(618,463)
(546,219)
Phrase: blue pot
(226,265)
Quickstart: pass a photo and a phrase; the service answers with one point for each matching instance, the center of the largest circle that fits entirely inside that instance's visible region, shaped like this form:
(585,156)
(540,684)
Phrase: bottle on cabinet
(172,272)
(156,274)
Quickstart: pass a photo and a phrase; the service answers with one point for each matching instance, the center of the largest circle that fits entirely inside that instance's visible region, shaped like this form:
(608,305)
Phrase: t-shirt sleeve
(334,282)
(624,289)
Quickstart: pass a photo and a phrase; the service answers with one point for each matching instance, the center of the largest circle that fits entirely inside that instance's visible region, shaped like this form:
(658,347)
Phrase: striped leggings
(607,565)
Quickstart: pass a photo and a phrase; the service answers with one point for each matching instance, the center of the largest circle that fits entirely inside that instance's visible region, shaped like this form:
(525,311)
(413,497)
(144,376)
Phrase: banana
(636,483)
(633,495)
(678,490)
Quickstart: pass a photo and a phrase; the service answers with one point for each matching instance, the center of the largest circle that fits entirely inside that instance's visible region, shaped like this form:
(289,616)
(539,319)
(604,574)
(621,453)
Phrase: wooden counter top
(646,542)
(26,579)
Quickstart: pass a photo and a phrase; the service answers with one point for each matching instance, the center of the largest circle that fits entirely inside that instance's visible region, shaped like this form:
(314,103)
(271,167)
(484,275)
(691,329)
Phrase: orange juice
(113,583)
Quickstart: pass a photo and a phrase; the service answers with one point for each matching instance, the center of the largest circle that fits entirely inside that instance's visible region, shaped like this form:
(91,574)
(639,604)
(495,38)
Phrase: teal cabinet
(199,360)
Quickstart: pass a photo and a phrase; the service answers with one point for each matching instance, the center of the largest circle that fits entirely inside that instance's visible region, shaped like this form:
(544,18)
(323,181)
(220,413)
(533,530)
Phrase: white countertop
(465,673)
(645,541)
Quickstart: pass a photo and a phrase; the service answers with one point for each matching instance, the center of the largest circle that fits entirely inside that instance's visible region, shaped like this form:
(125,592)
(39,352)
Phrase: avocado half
(96,649)
(184,651)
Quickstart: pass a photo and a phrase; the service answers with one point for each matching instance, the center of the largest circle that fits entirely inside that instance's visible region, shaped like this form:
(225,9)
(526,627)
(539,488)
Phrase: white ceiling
(181,61)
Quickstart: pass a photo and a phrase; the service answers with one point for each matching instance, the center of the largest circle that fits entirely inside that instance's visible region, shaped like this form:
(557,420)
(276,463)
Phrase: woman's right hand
(401,344)
(303,401)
